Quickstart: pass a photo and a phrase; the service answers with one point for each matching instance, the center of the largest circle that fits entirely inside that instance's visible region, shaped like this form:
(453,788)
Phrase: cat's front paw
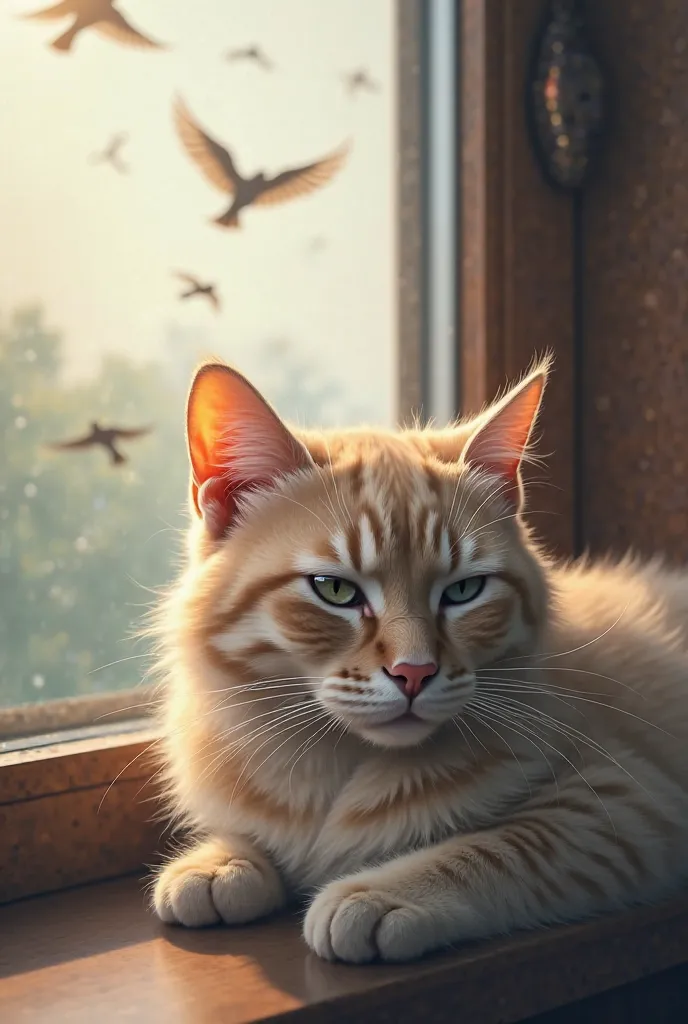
(211,884)
(355,923)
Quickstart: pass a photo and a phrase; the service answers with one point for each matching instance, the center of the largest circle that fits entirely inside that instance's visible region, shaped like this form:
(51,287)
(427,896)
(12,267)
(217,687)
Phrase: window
(115,283)
(419,277)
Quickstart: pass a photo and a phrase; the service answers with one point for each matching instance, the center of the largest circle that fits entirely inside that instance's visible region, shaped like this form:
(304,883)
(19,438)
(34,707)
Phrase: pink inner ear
(237,442)
(499,444)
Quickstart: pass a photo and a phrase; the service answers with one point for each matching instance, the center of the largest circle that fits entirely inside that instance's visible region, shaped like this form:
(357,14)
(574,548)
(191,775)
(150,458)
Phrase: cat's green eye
(463,591)
(334,590)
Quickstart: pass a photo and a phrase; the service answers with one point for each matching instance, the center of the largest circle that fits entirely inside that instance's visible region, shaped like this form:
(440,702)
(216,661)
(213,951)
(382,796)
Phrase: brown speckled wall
(636,286)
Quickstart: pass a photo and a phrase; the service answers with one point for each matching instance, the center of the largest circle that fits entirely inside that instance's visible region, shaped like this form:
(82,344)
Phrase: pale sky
(97,249)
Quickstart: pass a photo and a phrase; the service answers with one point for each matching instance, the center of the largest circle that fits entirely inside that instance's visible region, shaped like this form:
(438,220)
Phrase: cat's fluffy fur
(544,774)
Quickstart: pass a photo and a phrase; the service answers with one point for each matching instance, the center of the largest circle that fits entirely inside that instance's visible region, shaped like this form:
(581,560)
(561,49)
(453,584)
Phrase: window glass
(115,280)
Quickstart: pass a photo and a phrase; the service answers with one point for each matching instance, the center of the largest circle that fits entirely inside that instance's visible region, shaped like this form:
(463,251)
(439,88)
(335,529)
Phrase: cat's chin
(405,731)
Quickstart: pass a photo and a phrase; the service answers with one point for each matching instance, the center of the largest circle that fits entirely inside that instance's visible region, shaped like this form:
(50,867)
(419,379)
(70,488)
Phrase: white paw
(198,890)
(350,923)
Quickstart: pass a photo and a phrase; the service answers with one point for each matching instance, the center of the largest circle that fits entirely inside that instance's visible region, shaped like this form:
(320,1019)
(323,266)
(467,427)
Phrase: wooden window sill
(96,954)
(76,810)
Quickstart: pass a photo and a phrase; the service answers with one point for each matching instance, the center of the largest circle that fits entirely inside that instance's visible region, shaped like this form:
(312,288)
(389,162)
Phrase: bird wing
(209,156)
(299,181)
(60,10)
(78,442)
(187,278)
(215,299)
(124,434)
(116,26)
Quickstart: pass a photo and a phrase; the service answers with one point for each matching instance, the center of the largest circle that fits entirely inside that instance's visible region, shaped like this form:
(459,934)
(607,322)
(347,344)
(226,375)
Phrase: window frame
(504,307)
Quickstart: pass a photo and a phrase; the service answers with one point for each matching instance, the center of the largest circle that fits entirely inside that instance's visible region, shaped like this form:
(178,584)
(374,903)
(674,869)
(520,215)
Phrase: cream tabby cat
(383,696)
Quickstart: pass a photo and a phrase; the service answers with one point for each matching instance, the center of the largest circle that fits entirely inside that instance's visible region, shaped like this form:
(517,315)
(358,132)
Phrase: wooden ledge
(77,810)
(96,954)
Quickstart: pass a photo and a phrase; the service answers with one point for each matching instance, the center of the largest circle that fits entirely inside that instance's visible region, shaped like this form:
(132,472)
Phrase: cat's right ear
(237,443)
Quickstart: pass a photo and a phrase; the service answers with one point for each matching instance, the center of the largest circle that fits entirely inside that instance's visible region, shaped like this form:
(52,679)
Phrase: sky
(98,249)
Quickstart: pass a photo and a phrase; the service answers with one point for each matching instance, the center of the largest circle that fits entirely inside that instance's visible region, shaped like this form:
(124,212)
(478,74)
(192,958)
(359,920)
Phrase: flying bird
(360,81)
(112,153)
(250,53)
(216,163)
(105,436)
(197,288)
(100,15)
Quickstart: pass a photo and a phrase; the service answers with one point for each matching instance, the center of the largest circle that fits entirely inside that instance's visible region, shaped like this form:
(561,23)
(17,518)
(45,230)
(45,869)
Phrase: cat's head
(376,570)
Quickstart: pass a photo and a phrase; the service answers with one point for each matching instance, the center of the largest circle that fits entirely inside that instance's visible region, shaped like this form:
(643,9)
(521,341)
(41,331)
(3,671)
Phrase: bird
(196,288)
(111,153)
(105,436)
(360,80)
(250,53)
(100,15)
(216,163)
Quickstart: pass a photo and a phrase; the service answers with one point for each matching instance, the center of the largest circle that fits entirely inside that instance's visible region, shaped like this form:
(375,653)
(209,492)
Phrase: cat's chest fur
(333,816)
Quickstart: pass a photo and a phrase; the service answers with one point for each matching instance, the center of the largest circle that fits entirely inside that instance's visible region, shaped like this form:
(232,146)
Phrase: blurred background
(114,283)
(448,188)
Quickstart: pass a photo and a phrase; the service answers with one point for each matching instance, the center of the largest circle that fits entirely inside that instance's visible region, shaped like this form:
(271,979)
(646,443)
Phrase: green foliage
(79,538)
(83,543)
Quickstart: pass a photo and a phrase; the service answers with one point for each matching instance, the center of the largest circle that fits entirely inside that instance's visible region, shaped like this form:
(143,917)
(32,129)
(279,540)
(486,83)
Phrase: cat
(382,696)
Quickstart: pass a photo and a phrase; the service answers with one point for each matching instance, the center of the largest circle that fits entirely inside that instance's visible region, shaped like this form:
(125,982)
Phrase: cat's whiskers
(243,723)
(511,515)
(577,695)
(518,708)
(130,707)
(478,716)
(309,743)
(517,725)
(459,725)
(287,497)
(510,748)
(280,725)
(494,493)
(121,661)
(120,773)
(276,716)
(260,684)
(560,668)
(488,685)
(575,650)
(316,718)
(227,703)
(343,507)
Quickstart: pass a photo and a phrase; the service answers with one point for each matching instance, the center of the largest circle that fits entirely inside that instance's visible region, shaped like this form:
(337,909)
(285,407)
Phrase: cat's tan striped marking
(230,776)
(352,537)
(325,549)
(377,529)
(454,548)
(590,885)
(307,625)
(484,626)
(428,789)
(521,589)
(250,597)
(422,525)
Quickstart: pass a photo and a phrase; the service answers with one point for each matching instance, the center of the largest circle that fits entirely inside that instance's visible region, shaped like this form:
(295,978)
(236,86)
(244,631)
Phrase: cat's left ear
(237,443)
(499,442)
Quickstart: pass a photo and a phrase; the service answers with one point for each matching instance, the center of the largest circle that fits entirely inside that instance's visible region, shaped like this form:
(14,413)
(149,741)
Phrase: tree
(80,538)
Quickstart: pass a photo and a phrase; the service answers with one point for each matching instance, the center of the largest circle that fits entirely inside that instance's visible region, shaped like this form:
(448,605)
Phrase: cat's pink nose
(412,678)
